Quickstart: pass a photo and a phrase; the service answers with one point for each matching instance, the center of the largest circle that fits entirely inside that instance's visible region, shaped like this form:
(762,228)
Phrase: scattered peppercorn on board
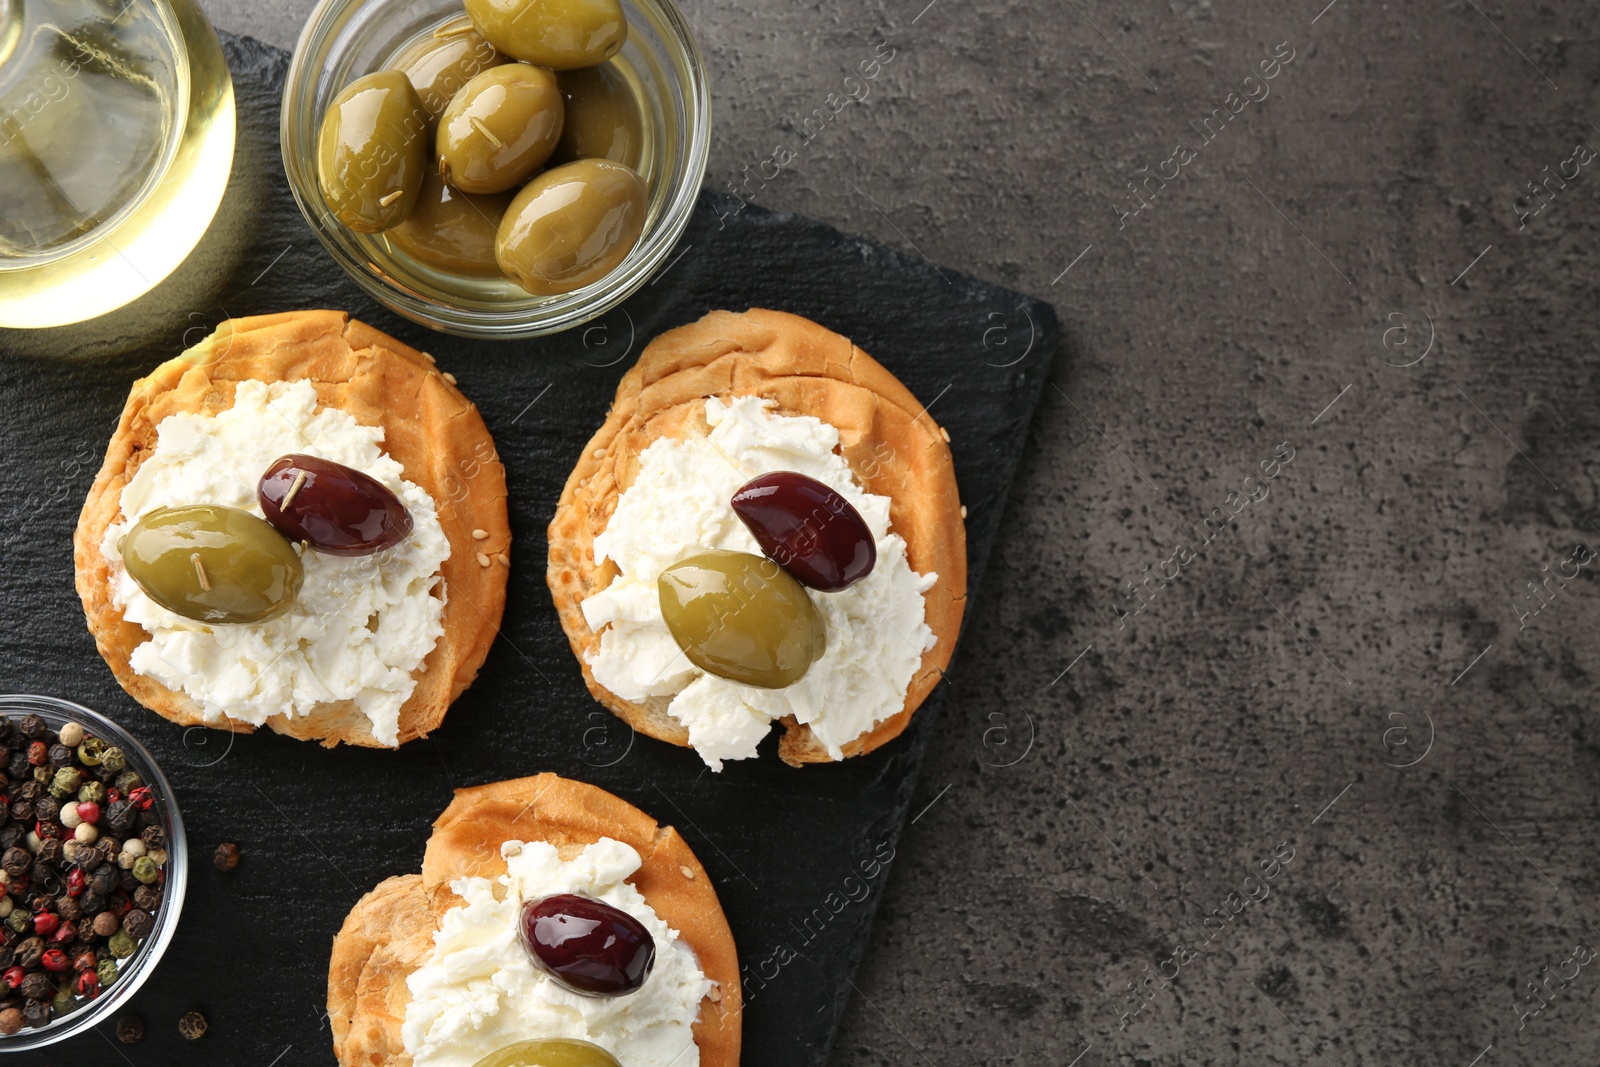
(800,857)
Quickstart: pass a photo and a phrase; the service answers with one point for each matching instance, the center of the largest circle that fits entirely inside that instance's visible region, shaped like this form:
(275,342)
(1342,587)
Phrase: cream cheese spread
(478,990)
(361,624)
(677,506)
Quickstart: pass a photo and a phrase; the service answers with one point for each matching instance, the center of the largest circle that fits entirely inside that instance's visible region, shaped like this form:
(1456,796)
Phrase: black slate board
(799,856)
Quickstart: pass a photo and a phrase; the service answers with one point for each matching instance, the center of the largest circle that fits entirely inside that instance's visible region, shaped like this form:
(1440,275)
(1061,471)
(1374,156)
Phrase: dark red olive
(807,529)
(331,507)
(587,945)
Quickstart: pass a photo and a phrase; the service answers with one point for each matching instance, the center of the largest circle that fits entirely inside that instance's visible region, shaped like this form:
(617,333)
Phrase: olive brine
(83,868)
(504,145)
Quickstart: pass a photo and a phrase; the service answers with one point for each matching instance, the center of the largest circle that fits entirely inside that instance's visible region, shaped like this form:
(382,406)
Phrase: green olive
(439,65)
(372,151)
(571,226)
(500,128)
(551,1052)
(742,617)
(451,230)
(212,563)
(602,117)
(559,34)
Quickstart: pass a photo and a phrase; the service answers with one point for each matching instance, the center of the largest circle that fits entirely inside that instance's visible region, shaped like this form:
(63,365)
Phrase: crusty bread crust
(389,932)
(891,443)
(433,431)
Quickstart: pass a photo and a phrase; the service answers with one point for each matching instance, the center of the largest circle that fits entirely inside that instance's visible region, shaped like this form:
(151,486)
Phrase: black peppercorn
(138,924)
(31,790)
(86,928)
(153,837)
(226,858)
(8,956)
(32,727)
(150,817)
(126,881)
(147,898)
(16,861)
(103,880)
(91,902)
(47,808)
(37,986)
(9,836)
(50,850)
(192,1026)
(29,952)
(41,872)
(60,755)
(120,816)
(18,767)
(68,908)
(36,1012)
(22,810)
(130,1029)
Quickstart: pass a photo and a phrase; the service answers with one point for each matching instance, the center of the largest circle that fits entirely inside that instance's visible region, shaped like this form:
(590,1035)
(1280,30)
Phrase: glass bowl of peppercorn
(93,865)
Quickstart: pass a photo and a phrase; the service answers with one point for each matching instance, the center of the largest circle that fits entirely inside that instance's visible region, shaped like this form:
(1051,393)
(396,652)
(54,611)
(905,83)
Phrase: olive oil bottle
(116,142)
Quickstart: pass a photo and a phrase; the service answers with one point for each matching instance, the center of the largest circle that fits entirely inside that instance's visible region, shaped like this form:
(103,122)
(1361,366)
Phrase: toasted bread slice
(390,931)
(890,442)
(433,431)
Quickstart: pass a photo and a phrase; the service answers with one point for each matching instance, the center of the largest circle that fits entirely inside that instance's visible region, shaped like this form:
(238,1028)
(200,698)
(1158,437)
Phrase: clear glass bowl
(346,39)
(142,963)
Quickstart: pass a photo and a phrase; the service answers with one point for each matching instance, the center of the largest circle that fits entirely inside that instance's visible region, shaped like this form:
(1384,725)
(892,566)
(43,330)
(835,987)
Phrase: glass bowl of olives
(497,168)
(148,919)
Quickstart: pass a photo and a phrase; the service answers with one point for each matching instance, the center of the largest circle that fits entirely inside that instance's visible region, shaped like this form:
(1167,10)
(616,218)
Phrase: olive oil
(116,142)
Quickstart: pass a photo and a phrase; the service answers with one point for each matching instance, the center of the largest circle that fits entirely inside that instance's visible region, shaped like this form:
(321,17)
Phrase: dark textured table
(1348,259)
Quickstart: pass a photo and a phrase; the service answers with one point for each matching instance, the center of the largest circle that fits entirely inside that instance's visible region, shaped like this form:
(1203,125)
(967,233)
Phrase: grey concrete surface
(1351,268)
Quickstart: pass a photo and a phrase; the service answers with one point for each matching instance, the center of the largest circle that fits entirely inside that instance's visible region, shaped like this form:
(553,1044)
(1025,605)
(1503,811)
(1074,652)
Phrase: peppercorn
(91,902)
(45,923)
(50,851)
(121,815)
(29,953)
(226,858)
(147,898)
(103,880)
(63,1000)
(86,984)
(130,1029)
(36,1012)
(92,793)
(54,959)
(88,811)
(73,852)
(9,837)
(67,781)
(19,768)
(153,837)
(126,881)
(60,755)
(116,761)
(128,781)
(86,929)
(92,751)
(192,1026)
(38,986)
(38,753)
(145,869)
(68,908)
(43,776)
(138,923)
(70,734)
(49,831)
(10,1021)
(83,958)
(32,726)
(47,808)
(107,970)
(107,923)
(19,919)
(121,944)
(16,861)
